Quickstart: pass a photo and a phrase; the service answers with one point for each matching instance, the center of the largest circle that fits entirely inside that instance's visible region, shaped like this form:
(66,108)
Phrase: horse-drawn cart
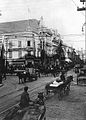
(24,76)
(30,113)
(81,77)
(59,87)
(35,111)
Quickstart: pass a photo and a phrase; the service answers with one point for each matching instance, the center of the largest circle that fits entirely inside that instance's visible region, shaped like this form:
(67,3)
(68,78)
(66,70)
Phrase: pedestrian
(25,99)
(0,78)
(62,77)
(4,72)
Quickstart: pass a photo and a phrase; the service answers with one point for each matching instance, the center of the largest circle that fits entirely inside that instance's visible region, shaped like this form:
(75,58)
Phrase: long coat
(24,101)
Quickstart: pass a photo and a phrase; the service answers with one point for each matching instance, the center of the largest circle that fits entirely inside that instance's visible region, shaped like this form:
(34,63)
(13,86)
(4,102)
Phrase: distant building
(24,37)
(19,38)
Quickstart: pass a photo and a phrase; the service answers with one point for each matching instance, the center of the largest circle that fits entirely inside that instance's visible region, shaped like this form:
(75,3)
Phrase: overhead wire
(72,35)
(77,6)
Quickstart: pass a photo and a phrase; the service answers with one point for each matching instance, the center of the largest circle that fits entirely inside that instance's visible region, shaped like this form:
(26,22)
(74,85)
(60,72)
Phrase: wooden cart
(61,88)
(36,112)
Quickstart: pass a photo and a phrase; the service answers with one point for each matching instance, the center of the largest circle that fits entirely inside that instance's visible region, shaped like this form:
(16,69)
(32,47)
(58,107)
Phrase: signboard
(81,9)
(82,0)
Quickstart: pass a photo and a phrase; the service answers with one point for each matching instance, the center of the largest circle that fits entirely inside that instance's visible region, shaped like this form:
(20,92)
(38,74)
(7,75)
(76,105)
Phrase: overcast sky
(58,14)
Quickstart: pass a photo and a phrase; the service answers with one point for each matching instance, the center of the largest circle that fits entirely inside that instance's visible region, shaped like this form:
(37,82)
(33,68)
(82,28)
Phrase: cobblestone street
(71,107)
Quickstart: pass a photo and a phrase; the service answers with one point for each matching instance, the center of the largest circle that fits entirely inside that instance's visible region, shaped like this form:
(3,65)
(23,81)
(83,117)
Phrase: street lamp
(85,34)
(83,9)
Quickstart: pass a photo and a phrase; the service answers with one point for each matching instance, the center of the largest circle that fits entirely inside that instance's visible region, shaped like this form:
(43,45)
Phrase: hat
(26,88)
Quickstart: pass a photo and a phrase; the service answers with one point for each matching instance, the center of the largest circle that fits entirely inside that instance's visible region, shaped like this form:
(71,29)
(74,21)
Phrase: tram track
(34,95)
(16,96)
(3,113)
(20,89)
(7,106)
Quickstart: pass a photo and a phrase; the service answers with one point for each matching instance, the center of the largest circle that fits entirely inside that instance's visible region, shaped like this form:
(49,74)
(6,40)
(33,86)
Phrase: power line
(74,3)
(73,40)
(73,35)
(77,6)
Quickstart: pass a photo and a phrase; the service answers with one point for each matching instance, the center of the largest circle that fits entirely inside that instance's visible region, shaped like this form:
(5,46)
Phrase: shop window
(10,45)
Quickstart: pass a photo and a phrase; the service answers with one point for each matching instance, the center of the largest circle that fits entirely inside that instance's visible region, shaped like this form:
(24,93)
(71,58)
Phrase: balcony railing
(23,49)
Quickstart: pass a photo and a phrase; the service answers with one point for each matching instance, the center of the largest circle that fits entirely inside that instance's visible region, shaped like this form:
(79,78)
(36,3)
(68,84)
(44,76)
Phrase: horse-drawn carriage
(24,76)
(59,87)
(35,111)
(81,77)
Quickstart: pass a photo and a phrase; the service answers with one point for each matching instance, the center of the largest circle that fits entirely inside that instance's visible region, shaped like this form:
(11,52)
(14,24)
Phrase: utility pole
(83,9)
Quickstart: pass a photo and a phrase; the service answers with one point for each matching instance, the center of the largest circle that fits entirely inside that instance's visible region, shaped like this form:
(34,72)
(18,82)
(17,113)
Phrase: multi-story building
(19,38)
(24,37)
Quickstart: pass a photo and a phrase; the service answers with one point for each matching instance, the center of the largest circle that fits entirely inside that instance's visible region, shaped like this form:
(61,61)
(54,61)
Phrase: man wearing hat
(25,99)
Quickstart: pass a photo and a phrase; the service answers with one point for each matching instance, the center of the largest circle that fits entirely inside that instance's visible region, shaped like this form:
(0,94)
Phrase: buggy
(59,87)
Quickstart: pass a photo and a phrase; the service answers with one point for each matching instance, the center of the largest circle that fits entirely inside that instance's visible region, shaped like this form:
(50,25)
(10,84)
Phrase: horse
(23,76)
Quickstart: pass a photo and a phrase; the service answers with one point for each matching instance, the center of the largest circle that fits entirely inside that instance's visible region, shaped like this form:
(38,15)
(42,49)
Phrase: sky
(57,14)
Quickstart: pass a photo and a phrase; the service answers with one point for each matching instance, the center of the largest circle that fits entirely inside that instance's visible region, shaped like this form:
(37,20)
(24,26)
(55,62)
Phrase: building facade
(26,37)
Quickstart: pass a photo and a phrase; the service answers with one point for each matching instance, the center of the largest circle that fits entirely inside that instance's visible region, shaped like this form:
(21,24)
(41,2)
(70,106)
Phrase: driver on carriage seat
(62,76)
(25,99)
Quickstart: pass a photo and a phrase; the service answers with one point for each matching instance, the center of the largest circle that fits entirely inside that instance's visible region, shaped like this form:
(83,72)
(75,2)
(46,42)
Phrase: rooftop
(19,26)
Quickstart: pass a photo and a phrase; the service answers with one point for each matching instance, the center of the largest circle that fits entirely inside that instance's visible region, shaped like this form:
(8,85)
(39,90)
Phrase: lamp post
(83,9)
(85,31)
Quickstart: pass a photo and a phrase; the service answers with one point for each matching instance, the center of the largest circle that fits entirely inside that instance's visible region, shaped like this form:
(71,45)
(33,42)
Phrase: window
(10,45)
(28,43)
(20,54)
(19,43)
(10,54)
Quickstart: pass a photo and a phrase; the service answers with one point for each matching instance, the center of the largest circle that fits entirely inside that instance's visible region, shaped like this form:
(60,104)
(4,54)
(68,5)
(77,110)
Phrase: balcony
(23,49)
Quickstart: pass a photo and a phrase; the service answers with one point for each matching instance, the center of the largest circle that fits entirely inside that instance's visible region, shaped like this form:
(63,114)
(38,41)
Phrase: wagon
(33,112)
(24,76)
(59,87)
(81,77)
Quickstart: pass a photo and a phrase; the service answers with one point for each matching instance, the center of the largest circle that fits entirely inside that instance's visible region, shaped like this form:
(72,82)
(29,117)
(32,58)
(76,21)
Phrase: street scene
(42,60)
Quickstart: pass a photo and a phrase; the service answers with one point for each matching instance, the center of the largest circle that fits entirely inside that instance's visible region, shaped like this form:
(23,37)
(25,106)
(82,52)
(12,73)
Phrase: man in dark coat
(62,77)
(25,99)
(0,77)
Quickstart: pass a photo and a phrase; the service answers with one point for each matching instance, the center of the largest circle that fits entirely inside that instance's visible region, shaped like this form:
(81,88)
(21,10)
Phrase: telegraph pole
(83,9)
